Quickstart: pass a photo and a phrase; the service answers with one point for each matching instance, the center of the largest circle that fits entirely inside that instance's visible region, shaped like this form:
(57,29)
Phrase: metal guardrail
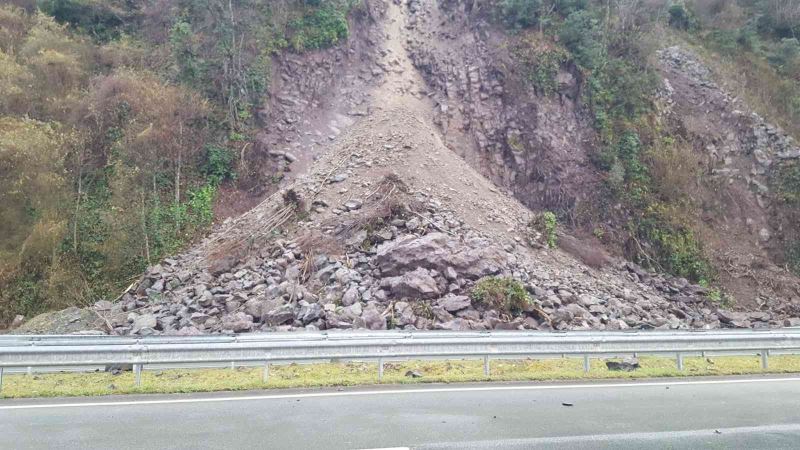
(267,348)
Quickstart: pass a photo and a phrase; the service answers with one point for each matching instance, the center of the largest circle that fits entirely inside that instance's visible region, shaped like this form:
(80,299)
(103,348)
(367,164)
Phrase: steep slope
(389,228)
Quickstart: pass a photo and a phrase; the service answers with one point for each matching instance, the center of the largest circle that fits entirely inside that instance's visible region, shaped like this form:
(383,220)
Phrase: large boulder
(257,307)
(142,322)
(438,251)
(371,319)
(453,303)
(238,322)
(417,284)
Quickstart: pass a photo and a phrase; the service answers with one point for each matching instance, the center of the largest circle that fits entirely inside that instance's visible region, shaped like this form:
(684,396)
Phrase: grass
(364,373)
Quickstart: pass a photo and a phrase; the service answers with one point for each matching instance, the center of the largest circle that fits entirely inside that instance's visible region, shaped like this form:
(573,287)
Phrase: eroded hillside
(417,183)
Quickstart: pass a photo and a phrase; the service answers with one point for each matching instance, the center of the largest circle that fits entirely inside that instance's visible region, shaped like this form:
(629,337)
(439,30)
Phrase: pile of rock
(415,277)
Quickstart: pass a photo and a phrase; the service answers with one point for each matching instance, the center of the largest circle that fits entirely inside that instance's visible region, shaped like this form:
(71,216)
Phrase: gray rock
(587,300)
(726,316)
(454,325)
(453,303)
(627,365)
(142,322)
(438,251)
(352,205)
(416,284)
(292,273)
(338,178)
(238,322)
(371,319)
(19,319)
(256,307)
(404,314)
(792,322)
(309,313)
(351,296)
(279,316)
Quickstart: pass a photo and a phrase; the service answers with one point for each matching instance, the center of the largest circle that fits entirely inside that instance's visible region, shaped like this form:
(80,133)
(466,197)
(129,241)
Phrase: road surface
(743,413)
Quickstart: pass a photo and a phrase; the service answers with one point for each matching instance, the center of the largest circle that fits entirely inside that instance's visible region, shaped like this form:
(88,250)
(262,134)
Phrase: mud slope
(390,228)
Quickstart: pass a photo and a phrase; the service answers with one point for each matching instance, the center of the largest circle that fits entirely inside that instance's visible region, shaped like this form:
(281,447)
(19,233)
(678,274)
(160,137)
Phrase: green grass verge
(363,373)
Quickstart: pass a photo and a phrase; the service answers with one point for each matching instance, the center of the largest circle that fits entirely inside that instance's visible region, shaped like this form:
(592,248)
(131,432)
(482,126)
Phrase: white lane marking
(397,392)
(617,438)
(388,448)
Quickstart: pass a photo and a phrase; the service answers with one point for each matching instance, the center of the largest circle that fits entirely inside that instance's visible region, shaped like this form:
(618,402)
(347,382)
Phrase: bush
(320,28)
(674,246)
(582,34)
(218,165)
(521,13)
(503,294)
(681,18)
(100,19)
(786,57)
(787,179)
(793,257)
(547,223)
(541,62)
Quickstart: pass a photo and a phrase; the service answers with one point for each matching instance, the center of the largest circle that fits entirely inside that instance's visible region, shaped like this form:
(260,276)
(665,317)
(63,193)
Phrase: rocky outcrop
(534,144)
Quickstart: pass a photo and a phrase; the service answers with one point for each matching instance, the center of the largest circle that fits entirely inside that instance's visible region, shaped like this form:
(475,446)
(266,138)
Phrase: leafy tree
(681,17)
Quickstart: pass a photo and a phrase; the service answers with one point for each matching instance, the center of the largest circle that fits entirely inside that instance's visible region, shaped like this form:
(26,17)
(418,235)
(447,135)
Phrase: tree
(32,191)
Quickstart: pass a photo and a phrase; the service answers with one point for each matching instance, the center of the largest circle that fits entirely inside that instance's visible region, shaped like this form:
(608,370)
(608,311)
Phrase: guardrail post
(765,359)
(380,369)
(137,373)
(233,365)
(1,379)
(266,371)
(585,363)
(680,361)
(486,365)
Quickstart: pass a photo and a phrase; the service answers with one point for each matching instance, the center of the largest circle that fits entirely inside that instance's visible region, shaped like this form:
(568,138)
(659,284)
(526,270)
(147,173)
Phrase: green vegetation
(119,122)
(547,223)
(787,179)
(618,89)
(793,257)
(541,61)
(320,27)
(758,42)
(504,294)
(361,373)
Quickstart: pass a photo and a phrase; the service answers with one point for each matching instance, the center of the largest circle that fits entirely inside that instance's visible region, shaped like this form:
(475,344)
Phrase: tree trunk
(77,205)
(144,232)
(178,178)
(178,164)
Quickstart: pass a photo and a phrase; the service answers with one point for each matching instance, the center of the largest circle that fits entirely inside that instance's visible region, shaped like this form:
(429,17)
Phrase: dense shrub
(503,294)
(674,245)
(541,62)
(787,181)
(793,257)
(319,28)
(681,17)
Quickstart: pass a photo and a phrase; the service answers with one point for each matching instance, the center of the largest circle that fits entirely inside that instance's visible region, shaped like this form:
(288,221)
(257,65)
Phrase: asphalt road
(745,413)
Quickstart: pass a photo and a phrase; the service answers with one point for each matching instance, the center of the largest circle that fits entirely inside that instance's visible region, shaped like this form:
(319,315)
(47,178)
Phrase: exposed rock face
(750,225)
(535,145)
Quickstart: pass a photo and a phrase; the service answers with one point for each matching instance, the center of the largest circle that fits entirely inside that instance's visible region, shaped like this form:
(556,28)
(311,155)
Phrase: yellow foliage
(56,73)
(47,34)
(13,27)
(14,81)
(32,186)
